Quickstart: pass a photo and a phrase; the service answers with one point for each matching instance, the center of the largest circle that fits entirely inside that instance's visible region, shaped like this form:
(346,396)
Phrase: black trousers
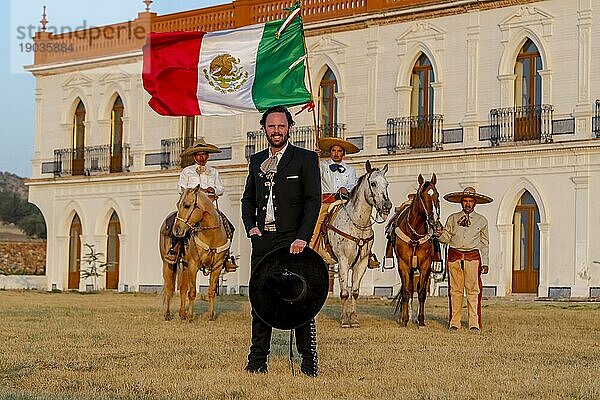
(261,332)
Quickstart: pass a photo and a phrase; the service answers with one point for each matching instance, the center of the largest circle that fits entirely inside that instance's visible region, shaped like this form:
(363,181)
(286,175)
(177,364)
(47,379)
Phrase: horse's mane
(354,191)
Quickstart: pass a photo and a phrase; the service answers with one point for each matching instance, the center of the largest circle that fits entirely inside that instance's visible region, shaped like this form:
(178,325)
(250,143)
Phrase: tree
(95,266)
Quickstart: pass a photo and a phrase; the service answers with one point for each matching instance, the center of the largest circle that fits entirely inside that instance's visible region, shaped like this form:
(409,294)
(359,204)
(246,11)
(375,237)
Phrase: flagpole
(310,88)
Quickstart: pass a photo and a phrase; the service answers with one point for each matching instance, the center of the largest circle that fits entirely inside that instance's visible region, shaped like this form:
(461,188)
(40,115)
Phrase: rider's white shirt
(331,181)
(209,177)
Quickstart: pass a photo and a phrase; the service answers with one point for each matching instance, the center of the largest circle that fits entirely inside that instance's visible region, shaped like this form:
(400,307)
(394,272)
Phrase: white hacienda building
(495,94)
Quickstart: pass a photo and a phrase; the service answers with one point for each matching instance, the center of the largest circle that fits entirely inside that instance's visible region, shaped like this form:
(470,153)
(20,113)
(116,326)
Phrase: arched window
(528,93)
(421,107)
(116,136)
(74,253)
(189,133)
(526,245)
(78,161)
(113,252)
(528,83)
(328,104)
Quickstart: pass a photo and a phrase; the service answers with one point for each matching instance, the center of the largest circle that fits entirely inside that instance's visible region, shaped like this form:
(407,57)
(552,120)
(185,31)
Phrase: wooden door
(78,160)
(528,125)
(116,137)
(74,253)
(421,134)
(525,275)
(113,252)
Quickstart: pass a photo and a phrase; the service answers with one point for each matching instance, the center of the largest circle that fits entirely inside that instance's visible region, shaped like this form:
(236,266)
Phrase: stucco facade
(472,48)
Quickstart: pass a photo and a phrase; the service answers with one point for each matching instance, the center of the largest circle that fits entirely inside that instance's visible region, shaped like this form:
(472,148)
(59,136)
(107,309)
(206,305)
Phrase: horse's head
(190,211)
(377,194)
(428,200)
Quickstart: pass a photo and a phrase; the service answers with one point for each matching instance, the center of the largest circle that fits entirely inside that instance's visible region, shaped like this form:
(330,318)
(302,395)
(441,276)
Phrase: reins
(201,245)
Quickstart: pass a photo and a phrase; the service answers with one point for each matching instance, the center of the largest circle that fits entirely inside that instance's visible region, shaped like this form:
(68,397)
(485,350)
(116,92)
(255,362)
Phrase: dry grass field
(109,346)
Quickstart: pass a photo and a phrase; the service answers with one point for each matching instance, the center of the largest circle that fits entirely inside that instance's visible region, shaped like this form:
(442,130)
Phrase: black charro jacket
(296,193)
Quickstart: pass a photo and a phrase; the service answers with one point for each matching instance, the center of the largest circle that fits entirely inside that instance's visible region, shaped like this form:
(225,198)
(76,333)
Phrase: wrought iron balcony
(301,136)
(171,152)
(596,120)
(92,160)
(521,123)
(415,132)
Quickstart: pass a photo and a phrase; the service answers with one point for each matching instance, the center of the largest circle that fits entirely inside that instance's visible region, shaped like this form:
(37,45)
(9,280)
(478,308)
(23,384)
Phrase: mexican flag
(226,72)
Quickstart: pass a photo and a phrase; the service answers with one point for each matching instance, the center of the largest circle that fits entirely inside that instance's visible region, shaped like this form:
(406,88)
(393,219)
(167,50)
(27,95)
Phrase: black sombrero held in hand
(288,290)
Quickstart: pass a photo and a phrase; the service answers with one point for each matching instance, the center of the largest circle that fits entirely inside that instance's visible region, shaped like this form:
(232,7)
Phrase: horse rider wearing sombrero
(466,233)
(337,180)
(208,178)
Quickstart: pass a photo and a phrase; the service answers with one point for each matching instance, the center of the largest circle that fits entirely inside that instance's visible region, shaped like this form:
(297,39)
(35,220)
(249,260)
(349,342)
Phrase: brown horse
(412,232)
(205,249)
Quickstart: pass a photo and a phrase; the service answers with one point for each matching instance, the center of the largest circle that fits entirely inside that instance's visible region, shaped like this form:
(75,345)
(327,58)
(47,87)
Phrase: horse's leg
(357,274)
(192,272)
(404,271)
(212,290)
(169,275)
(343,273)
(422,290)
(183,288)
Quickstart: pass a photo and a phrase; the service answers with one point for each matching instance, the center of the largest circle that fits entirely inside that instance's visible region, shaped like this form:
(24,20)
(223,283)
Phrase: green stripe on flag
(274,82)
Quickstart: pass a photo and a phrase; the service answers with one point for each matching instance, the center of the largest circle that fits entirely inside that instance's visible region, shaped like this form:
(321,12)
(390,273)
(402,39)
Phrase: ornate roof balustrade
(130,36)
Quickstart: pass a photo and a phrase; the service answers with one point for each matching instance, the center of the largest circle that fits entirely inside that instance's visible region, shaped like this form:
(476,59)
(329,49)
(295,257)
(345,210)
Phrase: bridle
(372,203)
(186,221)
(197,227)
(428,220)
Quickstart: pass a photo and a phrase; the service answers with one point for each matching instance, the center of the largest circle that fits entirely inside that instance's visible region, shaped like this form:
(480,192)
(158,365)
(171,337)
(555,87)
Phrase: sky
(17,85)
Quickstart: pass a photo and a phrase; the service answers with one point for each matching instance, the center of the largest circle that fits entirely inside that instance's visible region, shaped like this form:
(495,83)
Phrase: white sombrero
(456,197)
(199,146)
(326,143)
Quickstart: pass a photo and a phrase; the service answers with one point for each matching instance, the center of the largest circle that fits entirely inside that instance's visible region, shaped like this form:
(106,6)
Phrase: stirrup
(230,265)
(172,256)
(373,262)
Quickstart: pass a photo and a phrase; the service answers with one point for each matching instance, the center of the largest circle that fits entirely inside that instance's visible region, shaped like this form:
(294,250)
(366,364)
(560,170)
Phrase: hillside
(13,183)
(15,210)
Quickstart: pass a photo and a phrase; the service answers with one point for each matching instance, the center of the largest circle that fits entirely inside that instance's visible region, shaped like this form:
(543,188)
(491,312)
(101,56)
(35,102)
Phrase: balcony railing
(171,152)
(521,123)
(301,136)
(92,160)
(416,132)
(596,120)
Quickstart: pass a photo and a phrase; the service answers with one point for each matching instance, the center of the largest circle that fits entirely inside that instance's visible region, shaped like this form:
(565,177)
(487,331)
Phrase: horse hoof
(345,324)
(168,317)
(354,324)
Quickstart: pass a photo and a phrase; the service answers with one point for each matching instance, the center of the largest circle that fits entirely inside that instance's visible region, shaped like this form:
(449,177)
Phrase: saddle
(390,233)
(323,240)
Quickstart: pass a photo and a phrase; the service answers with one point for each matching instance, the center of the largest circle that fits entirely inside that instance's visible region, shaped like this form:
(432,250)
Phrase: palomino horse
(412,232)
(349,235)
(205,249)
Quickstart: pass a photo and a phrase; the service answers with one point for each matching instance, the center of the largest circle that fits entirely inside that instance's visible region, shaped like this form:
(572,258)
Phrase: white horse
(349,234)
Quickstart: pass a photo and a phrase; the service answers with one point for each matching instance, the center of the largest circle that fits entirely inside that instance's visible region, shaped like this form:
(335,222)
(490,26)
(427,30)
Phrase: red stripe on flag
(170,72)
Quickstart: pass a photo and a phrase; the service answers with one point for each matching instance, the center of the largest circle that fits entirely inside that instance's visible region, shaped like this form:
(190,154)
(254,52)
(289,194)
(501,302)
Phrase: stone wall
(23,258)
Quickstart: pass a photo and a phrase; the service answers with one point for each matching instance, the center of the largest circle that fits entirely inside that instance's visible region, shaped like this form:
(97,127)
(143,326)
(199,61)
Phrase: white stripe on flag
(231,95)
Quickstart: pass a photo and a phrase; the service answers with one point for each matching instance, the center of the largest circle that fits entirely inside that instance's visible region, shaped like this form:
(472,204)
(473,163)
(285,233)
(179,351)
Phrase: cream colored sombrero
(456,197)
(200,145)
(326,143)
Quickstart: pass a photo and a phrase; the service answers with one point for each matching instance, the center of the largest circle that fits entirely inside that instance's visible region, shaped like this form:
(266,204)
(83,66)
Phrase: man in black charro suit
(280,206)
